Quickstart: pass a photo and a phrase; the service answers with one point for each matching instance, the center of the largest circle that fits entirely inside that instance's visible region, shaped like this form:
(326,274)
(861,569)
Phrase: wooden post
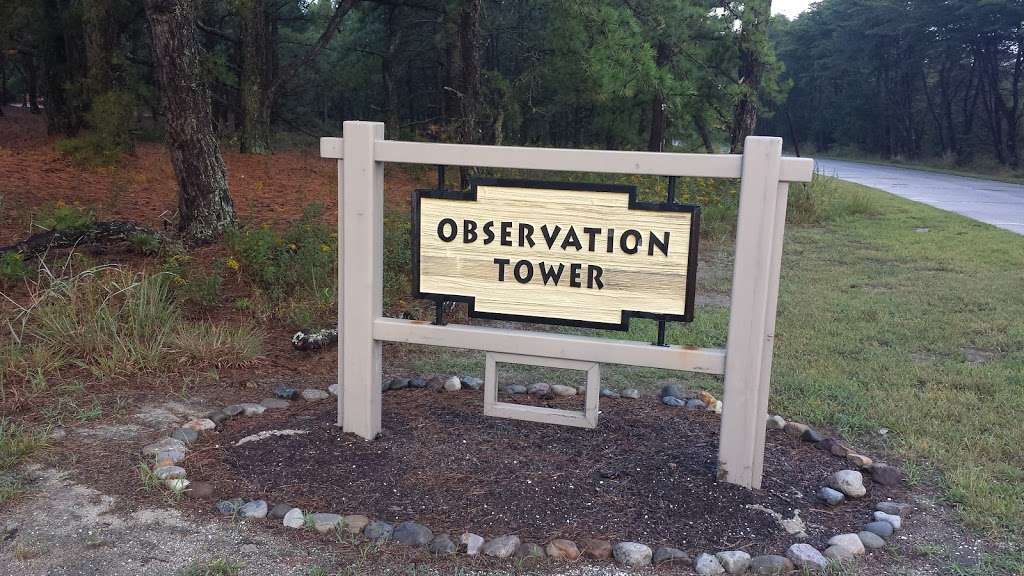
(361,274)
(759,231)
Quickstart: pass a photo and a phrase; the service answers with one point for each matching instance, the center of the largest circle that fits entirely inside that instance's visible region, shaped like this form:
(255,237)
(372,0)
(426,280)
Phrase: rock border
(887,519)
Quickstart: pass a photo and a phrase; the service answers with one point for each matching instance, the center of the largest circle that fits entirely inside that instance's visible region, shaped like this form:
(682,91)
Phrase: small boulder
(539,389)
(186,435)
(734,561)
(673,391)
(419,383)
(285,392)
(314,395)
(897,508)
(472,382)
(177,484)
(325,522)
(502,546)
(597,549)
(840,449)
(164,445)
(515,389)
(230,411)
(849,482)
(870,540)
(795,429)
(378,530)
(563,391)
(398,383)
(830,496)
(452,384)
(335,389)
(609,393)
(811,435)
(695,404)
(169,458)
(229,506)
(775,422)
(708,565)
(562,549)
(274,403)
(294,518)
(412,534)
(673,401)
(770,565)
(859,460)
(278,511)
(252,408)
(886,475)
(893,519)
(169,472)
(200,424)
(826,444)
(529,551)
(354,523)
(850,542)
(805,556)
(839,554)
(442,545)
(473,543)
(631,393)
(668,554)
(879,528)
(254,509)
(633,554)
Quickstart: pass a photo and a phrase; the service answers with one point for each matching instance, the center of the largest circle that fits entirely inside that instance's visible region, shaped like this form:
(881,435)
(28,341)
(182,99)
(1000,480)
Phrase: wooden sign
(556,252)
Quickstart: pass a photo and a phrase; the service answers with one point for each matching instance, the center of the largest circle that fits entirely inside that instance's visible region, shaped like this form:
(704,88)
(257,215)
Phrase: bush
(191,286)
(63,216)
(12,268)
(111,119)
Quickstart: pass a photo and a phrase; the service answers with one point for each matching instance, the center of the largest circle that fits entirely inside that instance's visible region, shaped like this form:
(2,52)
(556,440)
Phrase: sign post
(746,363)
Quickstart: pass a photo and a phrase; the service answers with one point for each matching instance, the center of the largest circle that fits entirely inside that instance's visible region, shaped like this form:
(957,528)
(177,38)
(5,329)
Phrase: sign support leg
(761,221)
(361,208)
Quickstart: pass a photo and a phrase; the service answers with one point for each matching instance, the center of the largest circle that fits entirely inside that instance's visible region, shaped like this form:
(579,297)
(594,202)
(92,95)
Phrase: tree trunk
(389,72)
(753,42)
(702,131)
(64,67)
(659,112)
(469,46)
(100,41)
(204,205)
(256,76)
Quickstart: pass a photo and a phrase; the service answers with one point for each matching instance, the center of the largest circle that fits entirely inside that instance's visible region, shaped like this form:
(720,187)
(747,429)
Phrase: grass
(216,567)
(17,442)
(875,325)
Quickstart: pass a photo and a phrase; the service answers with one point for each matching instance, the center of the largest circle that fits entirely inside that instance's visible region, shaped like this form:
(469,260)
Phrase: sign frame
(764,177)
(633,203)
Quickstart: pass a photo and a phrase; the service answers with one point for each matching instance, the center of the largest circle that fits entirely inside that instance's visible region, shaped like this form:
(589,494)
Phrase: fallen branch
(315,340)
(95,233)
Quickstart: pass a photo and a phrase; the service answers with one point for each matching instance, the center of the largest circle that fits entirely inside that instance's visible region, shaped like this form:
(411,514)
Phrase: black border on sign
(634,204)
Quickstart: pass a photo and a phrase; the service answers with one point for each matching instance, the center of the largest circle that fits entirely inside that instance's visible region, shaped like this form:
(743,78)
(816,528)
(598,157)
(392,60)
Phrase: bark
(469,45)
(95,233)
(702,131)
(64,68)
(100,41)
(204,205)
(659,112)
(389,72)
(753,42)
(256,80)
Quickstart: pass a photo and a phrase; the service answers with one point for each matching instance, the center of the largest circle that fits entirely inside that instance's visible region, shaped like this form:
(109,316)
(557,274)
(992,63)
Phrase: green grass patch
(17,442)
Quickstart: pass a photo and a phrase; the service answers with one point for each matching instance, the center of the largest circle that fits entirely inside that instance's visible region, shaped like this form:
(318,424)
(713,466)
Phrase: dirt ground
(85,509)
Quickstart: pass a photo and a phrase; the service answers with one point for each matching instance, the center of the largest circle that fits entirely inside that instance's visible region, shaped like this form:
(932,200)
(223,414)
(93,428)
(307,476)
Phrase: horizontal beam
(568,160)
(590,349)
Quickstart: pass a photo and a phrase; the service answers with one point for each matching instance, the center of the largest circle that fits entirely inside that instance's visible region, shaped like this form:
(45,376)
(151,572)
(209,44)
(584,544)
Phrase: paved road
(996,203)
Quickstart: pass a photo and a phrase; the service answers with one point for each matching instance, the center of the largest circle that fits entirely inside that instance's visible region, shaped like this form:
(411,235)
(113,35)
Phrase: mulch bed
(646,474)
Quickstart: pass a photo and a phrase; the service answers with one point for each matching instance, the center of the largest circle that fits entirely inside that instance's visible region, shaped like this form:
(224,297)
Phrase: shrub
(191,286)
(12,268)
(63,216)
(111,118)
(146,244)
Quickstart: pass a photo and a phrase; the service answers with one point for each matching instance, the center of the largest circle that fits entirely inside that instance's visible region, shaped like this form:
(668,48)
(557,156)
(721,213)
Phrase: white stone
(254,509)
(252,408)
(716,407)
(734,561)
(849,482)
(850,542)
(806,556)
(472,542)
(708,565)
(561,390)
(896,521)
(632,554)
(453,384)
(314,395)
(325,522)
(334,389)
(177,484)
(294,518)
(776,422)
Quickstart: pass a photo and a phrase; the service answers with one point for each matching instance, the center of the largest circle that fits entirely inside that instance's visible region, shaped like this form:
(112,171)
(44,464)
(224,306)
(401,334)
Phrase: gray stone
(354,523)
(515,389)
(886,475)
(708,565)
(673,401)
(795,429)
(164,445)
(609,393)
(217,417)
(274,403)
(632,394)
(562,549)
(734,561)
(325,522)
(452,384)
(811,435)
(667,554)
(839,449)
(859,460)
(502,546)
(673,391)
(169,472)
(775,422)
(850,542)
(418,383)
(200,424)
(839,554)
(870,540)
(254,509)
(442,545)
(849,482)
(770,565)
(279,510)
(896,508)
(472,542)
(695,404)
(252,408)
(472,382)
(285,392)
(879,528)
(825,444)
(529,551)
(315,394)
(893,519)
(805,556)
(539,389)
(294,518)
(186,435)
(334,389)
(229,506)
(232,410)
(830,496)
(632,554)
(412,534)
(378,530)
(563,391)
(398,383)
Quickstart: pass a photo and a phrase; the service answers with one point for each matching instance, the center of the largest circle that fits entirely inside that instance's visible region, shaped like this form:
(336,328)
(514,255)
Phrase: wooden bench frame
(746,361)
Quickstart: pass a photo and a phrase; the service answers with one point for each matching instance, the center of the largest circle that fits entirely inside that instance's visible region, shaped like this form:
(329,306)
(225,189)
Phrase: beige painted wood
(751,331)
(362,275)
(601,161)
(638,282)
(586,418)
(586,348)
